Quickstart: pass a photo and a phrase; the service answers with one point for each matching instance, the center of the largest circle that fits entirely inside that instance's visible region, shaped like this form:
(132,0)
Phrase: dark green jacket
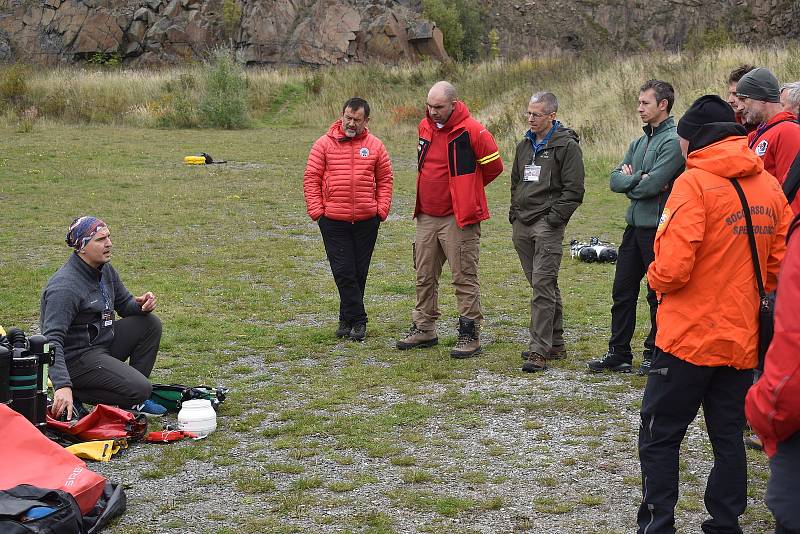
(657,156)
(559,191)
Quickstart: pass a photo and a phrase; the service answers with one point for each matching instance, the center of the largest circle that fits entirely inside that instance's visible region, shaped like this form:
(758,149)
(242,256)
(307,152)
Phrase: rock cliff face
(324,32)
(526,26)
(145,32)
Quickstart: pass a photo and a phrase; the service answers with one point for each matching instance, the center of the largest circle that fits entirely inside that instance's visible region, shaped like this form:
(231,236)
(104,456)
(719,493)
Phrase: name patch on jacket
(767,229)
(364,152)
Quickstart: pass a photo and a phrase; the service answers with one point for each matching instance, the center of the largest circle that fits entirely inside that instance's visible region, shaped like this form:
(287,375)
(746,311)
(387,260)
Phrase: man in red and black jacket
(456,158)
(777,138)
(773,403)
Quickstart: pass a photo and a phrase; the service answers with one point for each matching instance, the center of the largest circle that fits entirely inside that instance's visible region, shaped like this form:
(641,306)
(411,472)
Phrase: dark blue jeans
(673,395)
(349,249)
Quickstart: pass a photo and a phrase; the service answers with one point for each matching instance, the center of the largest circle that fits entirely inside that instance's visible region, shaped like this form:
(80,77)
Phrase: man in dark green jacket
(645,176)
(546,188)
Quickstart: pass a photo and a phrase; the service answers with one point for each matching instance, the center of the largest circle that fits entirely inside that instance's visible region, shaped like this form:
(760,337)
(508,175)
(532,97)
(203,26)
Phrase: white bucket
(197,416)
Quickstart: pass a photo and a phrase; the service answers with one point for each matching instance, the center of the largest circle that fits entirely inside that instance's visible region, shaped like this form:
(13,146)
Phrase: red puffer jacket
(773,403)
(348,179)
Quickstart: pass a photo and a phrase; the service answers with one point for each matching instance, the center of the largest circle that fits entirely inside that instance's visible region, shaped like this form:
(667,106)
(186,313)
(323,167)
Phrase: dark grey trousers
(101,376)
(783,489)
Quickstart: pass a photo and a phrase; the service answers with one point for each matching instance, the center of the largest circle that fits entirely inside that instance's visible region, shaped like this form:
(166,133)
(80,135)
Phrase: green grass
(321,434)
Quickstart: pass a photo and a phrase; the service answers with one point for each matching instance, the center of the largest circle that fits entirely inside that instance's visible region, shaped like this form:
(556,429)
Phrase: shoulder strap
(762,132)
(792,182)
(750,237)
(794,225)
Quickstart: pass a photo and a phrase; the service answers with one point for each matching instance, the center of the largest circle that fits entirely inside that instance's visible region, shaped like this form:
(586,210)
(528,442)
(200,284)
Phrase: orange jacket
(703,269)
(348,179)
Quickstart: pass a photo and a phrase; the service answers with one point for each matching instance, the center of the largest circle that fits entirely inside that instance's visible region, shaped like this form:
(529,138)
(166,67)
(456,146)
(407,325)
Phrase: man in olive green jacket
(546,188)
(645,176)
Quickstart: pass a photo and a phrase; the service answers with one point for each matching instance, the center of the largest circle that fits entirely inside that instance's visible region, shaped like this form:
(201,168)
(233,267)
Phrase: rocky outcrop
(633,25)
(146,32)
(329,32)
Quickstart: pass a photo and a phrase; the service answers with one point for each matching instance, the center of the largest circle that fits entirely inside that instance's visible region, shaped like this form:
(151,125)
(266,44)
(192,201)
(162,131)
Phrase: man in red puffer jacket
(348,190)
(773,403)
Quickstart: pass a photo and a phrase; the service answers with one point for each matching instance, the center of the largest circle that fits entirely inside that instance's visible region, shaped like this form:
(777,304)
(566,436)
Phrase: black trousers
(634,256)
(783,489)
(349,249)
(101,376)
(673,395)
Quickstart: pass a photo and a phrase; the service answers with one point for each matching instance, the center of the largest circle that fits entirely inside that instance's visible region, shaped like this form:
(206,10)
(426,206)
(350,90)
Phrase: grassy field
(319,434)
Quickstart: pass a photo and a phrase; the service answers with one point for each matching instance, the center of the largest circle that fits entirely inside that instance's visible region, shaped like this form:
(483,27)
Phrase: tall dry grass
(597,94)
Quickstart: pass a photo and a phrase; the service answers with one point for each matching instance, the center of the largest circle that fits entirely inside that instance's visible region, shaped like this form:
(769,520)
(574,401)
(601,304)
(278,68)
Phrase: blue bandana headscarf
(82,230)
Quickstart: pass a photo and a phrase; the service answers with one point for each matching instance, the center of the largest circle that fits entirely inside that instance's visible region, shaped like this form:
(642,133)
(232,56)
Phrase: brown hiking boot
(533,362)
(417,338)
(559,352)
(468,344)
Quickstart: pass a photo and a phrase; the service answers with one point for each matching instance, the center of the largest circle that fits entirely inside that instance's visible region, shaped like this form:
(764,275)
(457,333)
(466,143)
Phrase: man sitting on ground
(89,345)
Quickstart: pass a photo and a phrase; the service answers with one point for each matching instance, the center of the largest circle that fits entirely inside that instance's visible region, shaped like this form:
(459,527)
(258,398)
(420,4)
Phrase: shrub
(461,23)
(224,102)
(443,13)
(27,119)
(231,15)
(177,107)
(14,86)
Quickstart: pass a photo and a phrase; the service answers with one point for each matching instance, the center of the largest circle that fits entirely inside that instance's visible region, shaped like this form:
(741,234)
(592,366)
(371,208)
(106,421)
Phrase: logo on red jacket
(761,148)
(364,152)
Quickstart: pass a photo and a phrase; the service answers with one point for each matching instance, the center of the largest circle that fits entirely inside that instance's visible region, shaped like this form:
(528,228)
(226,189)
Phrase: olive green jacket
(656,160)
(559,191)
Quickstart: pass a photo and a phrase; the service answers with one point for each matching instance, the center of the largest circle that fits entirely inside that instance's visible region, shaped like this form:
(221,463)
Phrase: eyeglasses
(537,115)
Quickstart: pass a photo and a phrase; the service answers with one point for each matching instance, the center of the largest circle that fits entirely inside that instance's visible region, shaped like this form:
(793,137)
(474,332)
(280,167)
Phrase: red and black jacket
(473,162)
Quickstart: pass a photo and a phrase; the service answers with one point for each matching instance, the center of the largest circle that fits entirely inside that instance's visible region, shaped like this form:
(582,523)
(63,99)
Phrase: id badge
(108,318)
(532,173)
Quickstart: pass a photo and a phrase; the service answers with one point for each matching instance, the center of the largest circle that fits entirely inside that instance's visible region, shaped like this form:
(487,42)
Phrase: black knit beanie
(706,109)
(759,84)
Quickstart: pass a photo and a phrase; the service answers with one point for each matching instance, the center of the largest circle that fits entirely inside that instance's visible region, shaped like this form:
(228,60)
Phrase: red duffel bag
(28,457)
(103,422)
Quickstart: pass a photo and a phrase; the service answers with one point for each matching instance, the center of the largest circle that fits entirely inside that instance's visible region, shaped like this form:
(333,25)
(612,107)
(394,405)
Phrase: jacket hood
(560,135)
(337,133)
(728,157)
(460,113)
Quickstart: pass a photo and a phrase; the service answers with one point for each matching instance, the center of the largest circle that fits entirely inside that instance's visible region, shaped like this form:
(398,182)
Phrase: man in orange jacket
(456,158)
(708,314)
(348,190)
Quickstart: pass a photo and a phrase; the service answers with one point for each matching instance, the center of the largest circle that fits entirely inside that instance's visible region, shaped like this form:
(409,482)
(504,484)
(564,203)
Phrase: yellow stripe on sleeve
(490,158)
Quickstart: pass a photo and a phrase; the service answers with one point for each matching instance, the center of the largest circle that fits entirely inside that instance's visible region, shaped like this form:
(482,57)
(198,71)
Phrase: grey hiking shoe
(610,362)
(417,338)
(468,344)
(644,368)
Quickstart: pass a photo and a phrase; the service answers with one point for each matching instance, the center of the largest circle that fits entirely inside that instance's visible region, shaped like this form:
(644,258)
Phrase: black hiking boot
(344,329)
(358,332)
(611,362)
